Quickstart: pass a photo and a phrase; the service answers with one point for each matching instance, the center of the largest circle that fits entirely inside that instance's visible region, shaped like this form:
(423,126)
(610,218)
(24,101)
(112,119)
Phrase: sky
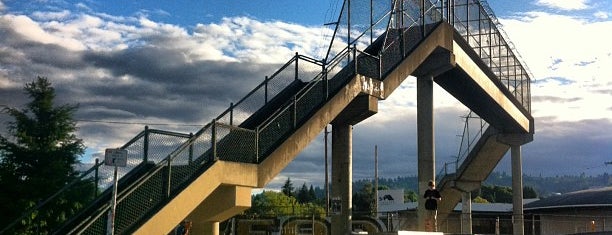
(175,65)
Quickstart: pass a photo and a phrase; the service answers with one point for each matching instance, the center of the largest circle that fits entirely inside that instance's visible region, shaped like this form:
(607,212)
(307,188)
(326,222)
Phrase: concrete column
(517,190)
(210,227)
(425,143)
(342,177)
(466,213)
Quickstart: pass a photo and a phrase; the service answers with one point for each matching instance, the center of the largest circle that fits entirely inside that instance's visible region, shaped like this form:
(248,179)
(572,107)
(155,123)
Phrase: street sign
(115,157)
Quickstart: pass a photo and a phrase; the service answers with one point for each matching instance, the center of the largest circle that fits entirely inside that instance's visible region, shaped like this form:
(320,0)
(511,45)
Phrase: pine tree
(287,188)
(37,159)
(302,194)
(312,196)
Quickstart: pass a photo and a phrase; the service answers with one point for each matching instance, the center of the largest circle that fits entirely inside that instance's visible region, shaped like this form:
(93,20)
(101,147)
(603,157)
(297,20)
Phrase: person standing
(432,196)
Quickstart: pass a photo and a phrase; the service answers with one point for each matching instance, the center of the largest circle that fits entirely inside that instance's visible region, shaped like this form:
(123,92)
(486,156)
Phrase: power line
(137,123)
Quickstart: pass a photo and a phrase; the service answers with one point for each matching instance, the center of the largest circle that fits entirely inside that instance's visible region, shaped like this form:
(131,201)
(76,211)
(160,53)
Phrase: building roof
(600,197)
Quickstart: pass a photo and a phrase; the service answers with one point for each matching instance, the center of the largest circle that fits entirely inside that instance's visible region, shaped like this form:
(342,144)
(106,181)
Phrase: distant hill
(543,185)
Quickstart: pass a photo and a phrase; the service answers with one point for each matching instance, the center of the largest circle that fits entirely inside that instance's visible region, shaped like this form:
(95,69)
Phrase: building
(584,211)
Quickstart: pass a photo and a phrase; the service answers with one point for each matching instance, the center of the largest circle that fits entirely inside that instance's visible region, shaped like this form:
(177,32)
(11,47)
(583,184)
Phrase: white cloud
(564,4)
(601,15)
(33,31)
(570,48)
(2,7)
(247,39)
(58,15)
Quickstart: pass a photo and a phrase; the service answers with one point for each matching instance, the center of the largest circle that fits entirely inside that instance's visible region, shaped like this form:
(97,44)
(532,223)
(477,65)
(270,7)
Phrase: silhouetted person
(432,196)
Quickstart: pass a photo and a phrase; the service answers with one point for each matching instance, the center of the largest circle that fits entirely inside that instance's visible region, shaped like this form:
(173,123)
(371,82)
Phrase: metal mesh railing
(407,22)
(476,23)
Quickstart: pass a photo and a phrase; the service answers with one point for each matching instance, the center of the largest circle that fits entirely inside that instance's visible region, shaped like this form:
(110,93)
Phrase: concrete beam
(294,144)
(193,196)
(361,108)
(482,93)
(441,39)
(466,185)
(438,62)
(515,139)
(225,202)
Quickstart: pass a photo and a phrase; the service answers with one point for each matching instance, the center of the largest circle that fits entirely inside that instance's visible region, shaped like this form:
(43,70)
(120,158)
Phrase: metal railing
(473,129)
(475,22)
(405,23)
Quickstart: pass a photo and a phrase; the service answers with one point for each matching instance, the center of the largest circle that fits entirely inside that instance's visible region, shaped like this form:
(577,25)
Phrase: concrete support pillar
(342,177)
(425,143)
(517,190)
(209,227)
(466,213)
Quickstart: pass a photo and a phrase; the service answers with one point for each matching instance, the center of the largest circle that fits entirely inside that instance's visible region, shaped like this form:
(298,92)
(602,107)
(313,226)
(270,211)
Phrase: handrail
(469,138)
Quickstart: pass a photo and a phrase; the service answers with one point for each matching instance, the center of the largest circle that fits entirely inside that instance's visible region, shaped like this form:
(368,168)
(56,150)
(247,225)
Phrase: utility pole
(326,177)
(376,178)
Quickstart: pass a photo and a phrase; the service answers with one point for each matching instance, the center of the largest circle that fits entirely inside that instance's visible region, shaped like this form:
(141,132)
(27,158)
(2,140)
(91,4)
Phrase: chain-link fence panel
(161,144)
(342,69)
(235,144)
(312,98)
(274,130)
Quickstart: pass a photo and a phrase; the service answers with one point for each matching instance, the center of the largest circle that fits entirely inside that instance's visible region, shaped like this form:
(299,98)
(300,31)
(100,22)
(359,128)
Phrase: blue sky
(120,60)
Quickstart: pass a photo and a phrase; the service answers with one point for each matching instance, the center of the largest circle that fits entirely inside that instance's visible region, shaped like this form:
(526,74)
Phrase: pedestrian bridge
(208,176)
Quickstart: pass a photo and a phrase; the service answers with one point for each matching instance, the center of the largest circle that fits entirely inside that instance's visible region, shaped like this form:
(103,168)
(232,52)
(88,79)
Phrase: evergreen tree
(37,159)
(287,188)
(529,192)
(302,194)
(312,196)
(364,200)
